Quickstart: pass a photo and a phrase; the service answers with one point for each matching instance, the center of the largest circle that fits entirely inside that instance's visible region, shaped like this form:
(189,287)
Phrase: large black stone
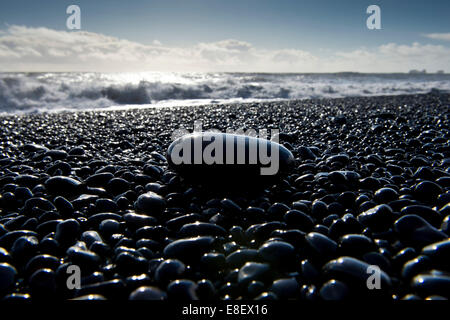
(428,284)
(226,169)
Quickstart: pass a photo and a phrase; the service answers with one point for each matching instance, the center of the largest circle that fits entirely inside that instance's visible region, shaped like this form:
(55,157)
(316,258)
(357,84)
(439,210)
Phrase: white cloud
(42,49)
(438,36)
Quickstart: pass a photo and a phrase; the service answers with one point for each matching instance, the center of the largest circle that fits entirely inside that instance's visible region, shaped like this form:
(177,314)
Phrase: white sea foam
(53,92)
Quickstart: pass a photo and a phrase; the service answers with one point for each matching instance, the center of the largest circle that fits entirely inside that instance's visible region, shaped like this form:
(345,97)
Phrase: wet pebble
(227,173)
(299,219)
(428,284)
(67,231)
(110,289)
(168,270)
(320,246)
(278,253)
(439,253)
(130,263)
(150,203)
(148,293)
(354,273)
(417,232)
(334,290)
(241,256)
(8,276)
(201,229)
(427,191)
(42,261)
(99,179)
(378,218)
(286,288)
(87,260)
(385,195)
(427,213)
(182,290)
(253,271)
(43,284)
(189,249)
(206,290)
(65,186)
(415,266)
(89,237)
(106,205)
(355,245)
(24,248)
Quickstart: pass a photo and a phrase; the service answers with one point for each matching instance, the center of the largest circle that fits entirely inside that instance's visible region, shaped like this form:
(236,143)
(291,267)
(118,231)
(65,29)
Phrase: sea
(80,91)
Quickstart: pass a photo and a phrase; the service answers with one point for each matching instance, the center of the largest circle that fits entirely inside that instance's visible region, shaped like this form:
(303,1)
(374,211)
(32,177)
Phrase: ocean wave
(49,92)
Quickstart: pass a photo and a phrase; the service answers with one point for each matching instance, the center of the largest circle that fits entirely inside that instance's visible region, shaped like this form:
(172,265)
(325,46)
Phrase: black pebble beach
(370,186)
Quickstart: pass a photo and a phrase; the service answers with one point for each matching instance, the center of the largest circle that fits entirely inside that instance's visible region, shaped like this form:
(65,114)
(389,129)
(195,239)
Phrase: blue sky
(319,28)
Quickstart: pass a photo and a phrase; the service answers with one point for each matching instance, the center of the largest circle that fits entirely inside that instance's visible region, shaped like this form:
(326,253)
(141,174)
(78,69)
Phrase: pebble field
(93,189)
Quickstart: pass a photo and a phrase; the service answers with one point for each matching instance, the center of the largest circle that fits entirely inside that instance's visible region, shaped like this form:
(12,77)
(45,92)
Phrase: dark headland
(370,186)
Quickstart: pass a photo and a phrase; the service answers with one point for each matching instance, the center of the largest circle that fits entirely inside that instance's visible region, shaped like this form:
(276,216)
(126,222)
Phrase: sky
(225,35)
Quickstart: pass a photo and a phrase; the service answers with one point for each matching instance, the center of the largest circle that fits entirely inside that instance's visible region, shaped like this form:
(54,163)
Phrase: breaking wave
(50,92)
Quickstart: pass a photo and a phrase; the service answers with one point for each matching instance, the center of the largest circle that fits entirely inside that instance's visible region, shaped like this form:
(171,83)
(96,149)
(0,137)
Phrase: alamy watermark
(73,22)
(241,146)
(74,279)
(374,20)
(374,279)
